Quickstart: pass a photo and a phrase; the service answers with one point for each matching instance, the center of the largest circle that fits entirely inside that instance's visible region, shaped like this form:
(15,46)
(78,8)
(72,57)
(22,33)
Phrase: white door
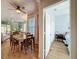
(52,27)
(47,34)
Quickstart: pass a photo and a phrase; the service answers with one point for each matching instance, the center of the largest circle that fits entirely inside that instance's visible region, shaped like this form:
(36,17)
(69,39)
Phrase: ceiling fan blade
(23,11)
(17,7)
(11,9)
(14,6)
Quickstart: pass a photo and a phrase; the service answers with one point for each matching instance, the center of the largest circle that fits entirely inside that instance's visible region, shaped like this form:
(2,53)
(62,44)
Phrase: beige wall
(36,29)
(40,32)
(45,3)
(73,29)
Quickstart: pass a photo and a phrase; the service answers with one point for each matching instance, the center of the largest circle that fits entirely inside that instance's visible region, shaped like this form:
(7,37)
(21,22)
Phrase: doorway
(57,22)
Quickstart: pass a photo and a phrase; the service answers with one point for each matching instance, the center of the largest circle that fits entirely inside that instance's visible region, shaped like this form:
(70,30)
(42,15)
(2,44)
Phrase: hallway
(58,51)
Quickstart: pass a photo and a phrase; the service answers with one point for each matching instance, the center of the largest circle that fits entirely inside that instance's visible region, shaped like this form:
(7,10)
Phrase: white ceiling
(6,13)
(62,8)
(59,9)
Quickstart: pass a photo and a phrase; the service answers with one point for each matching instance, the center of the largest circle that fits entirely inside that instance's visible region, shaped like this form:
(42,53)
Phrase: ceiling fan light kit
(18,11)
(17,7)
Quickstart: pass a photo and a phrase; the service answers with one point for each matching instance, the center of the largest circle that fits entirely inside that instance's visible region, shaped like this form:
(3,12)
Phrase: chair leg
(18,48)
(34,44)
(31,48)
(21,48)
(25,48)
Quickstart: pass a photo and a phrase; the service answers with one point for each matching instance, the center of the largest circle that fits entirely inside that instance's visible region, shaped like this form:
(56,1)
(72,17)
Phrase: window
(24,27)
(3,28)
(8,29)
(32,25)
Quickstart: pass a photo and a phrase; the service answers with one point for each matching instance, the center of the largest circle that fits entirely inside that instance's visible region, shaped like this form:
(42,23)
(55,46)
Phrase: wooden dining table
(20,37)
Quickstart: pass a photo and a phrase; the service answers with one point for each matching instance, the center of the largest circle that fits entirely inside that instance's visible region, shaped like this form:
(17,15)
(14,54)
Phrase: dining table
(20,37)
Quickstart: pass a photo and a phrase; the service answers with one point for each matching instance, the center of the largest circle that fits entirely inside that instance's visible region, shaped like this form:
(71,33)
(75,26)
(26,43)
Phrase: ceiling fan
(17,7)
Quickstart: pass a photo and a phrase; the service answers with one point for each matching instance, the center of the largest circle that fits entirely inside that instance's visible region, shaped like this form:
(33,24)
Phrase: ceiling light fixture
(18,11)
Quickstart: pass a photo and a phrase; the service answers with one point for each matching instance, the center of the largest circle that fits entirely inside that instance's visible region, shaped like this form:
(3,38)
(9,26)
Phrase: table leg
(34,43)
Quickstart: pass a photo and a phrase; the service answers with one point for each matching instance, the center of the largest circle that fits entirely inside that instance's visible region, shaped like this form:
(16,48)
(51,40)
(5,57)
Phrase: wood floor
(58,51)
(7,54)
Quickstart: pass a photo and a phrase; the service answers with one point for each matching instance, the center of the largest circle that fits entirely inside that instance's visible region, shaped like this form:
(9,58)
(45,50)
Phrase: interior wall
(62,23)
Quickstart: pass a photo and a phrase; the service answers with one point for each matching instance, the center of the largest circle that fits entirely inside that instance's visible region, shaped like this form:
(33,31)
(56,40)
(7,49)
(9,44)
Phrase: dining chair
(26,44)
(11,38)
(13,43)
(33,40)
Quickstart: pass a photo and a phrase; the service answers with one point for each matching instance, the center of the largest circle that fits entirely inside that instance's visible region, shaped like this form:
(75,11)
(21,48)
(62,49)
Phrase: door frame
(53,5)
